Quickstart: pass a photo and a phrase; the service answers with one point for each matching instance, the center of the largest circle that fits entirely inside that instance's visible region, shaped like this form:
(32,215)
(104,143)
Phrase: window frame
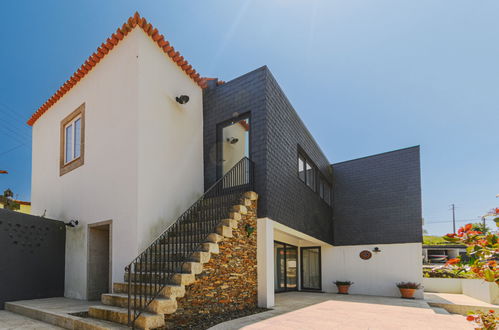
(68,166)
(307,162)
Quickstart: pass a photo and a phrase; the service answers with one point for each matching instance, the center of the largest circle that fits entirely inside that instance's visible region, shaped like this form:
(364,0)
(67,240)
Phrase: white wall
(170,162)
(143,155)
(442,285)
(105,186)
(376,276)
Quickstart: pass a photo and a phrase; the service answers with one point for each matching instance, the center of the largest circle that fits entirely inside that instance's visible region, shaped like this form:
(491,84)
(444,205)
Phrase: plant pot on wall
(343,286)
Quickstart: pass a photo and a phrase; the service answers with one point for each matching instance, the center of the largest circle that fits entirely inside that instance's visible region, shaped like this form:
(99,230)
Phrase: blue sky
(365,76)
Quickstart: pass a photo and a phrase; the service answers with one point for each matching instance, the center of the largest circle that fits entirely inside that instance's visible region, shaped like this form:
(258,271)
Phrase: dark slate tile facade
(289,200)
(276,133)
(377,199)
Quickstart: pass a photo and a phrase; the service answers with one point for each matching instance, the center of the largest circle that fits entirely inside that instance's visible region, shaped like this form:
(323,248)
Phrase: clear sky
(365,76)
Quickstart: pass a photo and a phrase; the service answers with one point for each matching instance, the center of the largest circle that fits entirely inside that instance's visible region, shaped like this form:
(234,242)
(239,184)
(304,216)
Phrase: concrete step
(187,267)
(205,247)
(61,312)
(120,315)
(176,279)
(240,209)
(194,236)
(158,305)
(168,291)
(198,256)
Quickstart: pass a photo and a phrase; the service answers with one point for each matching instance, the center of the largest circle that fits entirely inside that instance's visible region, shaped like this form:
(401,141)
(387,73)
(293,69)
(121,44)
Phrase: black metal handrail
(154,268)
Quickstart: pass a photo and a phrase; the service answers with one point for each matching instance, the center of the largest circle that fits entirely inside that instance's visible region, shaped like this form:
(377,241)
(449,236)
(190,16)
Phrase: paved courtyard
(301,310)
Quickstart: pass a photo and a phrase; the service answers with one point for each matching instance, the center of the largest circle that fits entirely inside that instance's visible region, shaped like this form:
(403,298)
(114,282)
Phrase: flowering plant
(485,321)
(482,249)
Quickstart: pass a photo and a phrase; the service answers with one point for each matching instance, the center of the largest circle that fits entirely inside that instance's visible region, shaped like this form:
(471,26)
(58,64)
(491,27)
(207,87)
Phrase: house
(440,253)
(24,207)
(180,182)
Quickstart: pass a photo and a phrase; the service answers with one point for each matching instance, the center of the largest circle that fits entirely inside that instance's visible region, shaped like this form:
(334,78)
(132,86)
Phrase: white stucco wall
(143,155)
(376,276)
(170,153)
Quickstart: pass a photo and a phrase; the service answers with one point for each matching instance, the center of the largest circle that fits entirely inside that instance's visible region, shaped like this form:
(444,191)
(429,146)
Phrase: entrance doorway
(233,143)
(99,260)
(286,267)
(311,268)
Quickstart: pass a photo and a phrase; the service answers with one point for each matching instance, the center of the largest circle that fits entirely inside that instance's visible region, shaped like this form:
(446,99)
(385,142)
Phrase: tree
(8,201)
(481,227)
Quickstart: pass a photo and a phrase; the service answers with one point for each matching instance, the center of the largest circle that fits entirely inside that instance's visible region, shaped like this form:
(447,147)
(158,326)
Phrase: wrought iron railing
(154,268)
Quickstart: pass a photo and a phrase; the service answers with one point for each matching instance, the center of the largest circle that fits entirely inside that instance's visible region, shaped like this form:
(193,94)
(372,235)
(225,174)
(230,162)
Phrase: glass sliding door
(286,267)
(311,268)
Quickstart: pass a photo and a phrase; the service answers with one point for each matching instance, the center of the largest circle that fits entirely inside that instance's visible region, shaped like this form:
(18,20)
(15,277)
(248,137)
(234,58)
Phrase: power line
(12,149)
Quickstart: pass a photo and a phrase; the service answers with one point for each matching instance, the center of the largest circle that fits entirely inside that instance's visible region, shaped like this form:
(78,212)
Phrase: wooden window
(72,146)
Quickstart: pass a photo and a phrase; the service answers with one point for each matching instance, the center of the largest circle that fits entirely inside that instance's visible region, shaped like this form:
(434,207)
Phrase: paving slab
(59,312)
(11,321)
(303,310)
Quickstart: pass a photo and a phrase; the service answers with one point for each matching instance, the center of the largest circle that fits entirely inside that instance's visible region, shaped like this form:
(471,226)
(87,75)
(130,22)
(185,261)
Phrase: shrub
(408,285)
(343,282)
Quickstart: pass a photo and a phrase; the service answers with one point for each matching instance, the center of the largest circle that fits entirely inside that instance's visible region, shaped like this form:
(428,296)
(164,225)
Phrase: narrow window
(69,139)
(77,138)
(321,188)
(72,140)
(301,168)
(310,180)
(327,194)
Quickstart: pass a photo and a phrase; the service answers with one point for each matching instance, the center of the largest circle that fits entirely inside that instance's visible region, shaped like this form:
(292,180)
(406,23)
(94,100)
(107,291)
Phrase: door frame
(219,142)
(89,227)
(285,268)
(301,268)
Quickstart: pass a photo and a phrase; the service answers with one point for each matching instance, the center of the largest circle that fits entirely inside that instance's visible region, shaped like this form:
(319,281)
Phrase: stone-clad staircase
(149,271)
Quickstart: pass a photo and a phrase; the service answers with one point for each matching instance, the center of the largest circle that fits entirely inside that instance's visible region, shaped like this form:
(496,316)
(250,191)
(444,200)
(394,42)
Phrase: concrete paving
(11,321)
(302,310)
(58,312)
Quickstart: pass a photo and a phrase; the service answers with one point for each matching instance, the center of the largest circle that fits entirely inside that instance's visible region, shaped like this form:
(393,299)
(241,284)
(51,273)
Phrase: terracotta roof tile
(106,47)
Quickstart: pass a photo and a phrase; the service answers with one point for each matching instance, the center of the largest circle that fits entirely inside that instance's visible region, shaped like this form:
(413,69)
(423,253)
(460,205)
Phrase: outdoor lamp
(182,99)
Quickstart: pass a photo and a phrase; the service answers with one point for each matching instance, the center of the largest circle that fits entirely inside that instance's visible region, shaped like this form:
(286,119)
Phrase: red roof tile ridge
(134,21)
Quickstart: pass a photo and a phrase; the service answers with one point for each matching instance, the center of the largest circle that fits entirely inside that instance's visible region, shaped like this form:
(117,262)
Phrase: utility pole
(453,218)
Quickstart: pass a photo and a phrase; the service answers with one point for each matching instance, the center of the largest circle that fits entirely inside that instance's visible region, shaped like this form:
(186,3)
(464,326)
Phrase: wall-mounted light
(376,250)
(232,140)
(72,223)
(182,99)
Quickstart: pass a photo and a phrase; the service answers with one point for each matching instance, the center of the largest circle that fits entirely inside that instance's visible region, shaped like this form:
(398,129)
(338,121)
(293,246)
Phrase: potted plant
(407,289)
(343,286)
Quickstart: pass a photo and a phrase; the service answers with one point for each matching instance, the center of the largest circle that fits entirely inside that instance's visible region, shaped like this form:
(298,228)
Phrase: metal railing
(155,267)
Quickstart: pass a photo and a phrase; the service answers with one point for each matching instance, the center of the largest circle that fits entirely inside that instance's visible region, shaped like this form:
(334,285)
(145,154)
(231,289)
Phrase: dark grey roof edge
(375,155)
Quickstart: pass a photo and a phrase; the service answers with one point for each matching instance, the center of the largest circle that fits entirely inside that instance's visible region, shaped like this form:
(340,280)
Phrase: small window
(321,188)
(306,171)
(327,193)
(72,140)
(310,176)
(301,168)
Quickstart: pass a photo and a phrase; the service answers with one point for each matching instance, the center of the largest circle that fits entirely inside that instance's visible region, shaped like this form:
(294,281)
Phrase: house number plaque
(364,255)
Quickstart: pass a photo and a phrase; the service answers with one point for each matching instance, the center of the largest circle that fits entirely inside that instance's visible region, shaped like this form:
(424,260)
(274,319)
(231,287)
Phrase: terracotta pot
(343,289)
(407,293)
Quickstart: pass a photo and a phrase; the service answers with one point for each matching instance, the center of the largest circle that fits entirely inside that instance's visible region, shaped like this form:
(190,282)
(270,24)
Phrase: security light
(72,223)
(232,140)
(182,99)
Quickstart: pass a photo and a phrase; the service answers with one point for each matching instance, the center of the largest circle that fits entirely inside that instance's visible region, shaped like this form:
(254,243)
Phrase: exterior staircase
(156,278)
